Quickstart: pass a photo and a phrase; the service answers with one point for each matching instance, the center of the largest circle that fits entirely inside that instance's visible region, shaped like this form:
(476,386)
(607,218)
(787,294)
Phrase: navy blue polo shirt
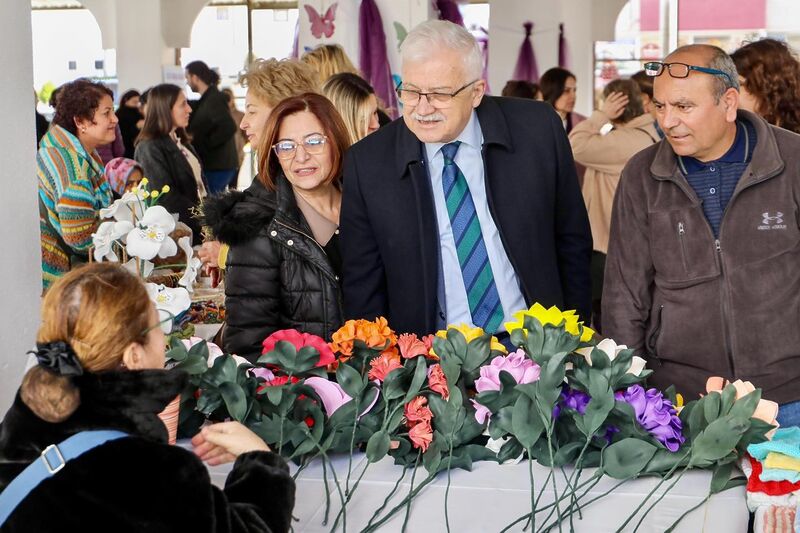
(715,181)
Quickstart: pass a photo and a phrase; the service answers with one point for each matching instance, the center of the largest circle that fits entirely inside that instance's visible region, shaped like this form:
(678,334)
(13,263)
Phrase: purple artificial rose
(572,399)
(522,369)
(654,413)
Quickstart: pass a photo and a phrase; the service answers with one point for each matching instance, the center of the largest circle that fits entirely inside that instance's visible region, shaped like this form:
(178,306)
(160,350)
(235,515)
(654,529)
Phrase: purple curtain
(372,54)
(562,47)
(483,41)
(448,10)
(296,40)
(526,70)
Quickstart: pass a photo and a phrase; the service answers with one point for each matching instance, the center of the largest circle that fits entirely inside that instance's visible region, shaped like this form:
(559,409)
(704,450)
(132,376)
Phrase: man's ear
(730,99)
(478,90)
(133,356)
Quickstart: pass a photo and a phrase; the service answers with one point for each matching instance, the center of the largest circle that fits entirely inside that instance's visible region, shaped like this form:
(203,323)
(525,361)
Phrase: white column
(141,51)
(20,265)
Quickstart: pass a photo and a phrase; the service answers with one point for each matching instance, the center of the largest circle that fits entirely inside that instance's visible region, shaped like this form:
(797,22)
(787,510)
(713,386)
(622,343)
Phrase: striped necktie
(484,301)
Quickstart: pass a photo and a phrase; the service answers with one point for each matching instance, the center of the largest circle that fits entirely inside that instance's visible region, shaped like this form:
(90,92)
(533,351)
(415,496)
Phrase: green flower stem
(553,479)
(389,497)
(280,441)
(302,467)
(533,499)
(403,503)
(596,480)
(357,401)
(678,521)
(677,478)
(324,454)
(173,265)
(447,490)
(639,508)
(350,495)
(408,504)
(327,492)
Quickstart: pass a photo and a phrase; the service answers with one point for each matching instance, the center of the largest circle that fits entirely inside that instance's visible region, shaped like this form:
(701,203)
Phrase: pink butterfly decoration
(321,24)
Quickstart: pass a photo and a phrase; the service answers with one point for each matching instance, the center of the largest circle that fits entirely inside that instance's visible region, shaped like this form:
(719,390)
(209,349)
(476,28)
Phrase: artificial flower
(410,346)
(655,413)
(482,413)
(375,334)
(521,368)
(276,381)
(571,399)
(612,349)
(333,395)
(553,316)
(214,351)
(421,436)
(766,410)
(428,341)
(193,264)
(438,382)
(300,340)
(175,301)
(150,237)
(383,364)
(126,209)
(105,236)
(470,334)
(417,411)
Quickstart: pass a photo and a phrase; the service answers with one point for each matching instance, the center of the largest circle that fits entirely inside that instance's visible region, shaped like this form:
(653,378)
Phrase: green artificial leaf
(177,350)
(274,395)
(627,458)
(459,344)
(306,359)
(394,386)
(755,434)
(350,380)
(193,365)
(718,439)
(720,477)
(534,340)
(510,450)
(600,359)
(746,405)
(477,353)
(502,422)
(664,461)
(209,401)
(378,446)
(567,454)
(222,370)
(518,337)
(600,405)
(287,356)
(447,415)
(693,417)
(233,396)
(420,375)
(711,407)
(526,423)
(477,452)
(557,340)
(367,399)
(727,398)
(200,349)
(269,429)
(432,457)
(394,420)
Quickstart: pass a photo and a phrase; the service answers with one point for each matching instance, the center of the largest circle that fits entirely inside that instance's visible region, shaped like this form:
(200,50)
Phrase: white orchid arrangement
(139,229)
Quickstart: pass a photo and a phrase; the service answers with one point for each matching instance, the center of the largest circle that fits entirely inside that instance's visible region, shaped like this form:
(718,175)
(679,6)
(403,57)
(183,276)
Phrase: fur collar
(236,217)
(128,401)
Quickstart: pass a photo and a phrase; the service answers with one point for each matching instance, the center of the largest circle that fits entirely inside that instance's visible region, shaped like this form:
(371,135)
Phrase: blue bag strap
(52,459)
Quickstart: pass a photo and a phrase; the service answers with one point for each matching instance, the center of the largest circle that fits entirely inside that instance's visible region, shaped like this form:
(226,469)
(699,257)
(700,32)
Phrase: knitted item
(784,462)
(785,441)
(72,190)
(773,488)
(774,519)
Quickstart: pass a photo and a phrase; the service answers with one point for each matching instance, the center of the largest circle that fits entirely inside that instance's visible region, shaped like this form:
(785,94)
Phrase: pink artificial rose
(383,364)
(438,382)
(482,413)
(421,436)
(410,346)
(300,340)
(522,369)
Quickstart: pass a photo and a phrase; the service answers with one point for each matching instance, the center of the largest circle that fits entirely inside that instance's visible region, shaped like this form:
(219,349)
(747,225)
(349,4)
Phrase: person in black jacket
(168,158)
(410,251)
(100,350)
(284,265)
(212,128)
(130,120)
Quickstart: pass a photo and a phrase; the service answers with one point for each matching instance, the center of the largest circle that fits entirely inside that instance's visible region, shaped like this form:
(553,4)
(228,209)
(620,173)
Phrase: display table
(492,496)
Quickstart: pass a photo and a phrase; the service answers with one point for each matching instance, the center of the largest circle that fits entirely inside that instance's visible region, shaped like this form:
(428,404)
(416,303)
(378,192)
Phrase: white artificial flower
(612,349)
(150,237)
(103,239)
(124,209)
(175,301)
(193,264)
(146,268)
(496,445)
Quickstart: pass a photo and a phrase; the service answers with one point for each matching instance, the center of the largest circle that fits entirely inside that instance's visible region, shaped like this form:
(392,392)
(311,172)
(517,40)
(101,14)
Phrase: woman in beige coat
(603,143)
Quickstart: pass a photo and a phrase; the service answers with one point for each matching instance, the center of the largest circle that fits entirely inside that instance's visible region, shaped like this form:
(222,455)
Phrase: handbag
(51,461)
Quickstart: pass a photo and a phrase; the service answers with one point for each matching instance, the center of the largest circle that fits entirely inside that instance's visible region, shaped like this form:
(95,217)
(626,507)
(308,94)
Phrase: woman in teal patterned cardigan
(72,185)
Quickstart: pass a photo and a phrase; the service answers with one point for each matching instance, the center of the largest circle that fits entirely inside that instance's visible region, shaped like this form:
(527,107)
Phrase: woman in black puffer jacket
(284,264)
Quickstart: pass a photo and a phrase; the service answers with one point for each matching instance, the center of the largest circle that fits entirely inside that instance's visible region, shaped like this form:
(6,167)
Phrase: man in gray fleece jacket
(703,269)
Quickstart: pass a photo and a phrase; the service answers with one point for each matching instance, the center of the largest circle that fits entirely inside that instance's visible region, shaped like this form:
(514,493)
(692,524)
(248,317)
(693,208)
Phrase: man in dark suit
(466,210)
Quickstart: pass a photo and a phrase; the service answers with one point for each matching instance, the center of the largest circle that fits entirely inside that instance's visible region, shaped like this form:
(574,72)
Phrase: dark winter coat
(164,164)
(128,118)
(213,132)
(138,483)
(278,276)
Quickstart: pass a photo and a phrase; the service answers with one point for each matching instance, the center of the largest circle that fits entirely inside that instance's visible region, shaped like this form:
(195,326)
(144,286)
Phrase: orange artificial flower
(411,346)
(421,436)
(383,364)
(416,411)
(438,382)
(374,334)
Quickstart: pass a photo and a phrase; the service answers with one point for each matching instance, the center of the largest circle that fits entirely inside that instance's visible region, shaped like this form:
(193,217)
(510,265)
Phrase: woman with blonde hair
(95,394)
(327,60)
(355,100)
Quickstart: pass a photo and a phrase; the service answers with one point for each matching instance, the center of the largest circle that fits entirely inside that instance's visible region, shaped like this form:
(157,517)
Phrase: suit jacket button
(290,242)
(273,233)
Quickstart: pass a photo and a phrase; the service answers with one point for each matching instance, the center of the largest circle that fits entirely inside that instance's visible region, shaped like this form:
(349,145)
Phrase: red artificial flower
(411,346)
(421,436)
(438,382)
(300,340)
(383,364)
(277,381)
(416,411)
(198,393)
(309,420)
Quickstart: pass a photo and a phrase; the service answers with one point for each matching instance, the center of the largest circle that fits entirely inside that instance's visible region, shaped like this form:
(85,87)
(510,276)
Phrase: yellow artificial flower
(553,316)
(165,189)
(470,334)
(154,194)
(144,182)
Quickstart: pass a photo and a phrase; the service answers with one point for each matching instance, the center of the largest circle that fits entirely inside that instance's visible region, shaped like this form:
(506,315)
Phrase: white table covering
(491,496)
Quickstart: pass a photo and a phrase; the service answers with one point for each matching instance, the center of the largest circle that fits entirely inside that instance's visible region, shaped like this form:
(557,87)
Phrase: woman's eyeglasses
(313,144)
(166,321)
